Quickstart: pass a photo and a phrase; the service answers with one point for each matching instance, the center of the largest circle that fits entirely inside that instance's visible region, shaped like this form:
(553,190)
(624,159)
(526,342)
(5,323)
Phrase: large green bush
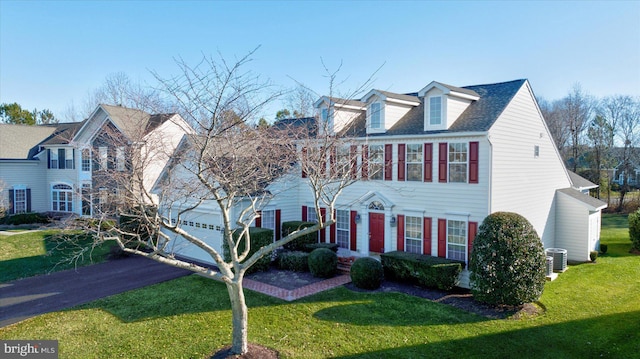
(420,269)
(507,261)
(299,243)
(634,229)
(296,261)
(24,218)
(323,263)
(367,273)
(260,237)
(311,247)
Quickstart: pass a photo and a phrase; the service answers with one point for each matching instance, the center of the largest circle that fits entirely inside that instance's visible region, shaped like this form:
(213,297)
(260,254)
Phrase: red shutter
(473,162)
(426,235)
(442,238)
(259,219)
(278,225)
(473,230)
(303,162)
(402,155)
(332,161)
(442,162)
(388,162)
(353,230)
(428,162)
(304,213)
(323,231)
(332,230)
(353,155)
(365,162)
(400,233)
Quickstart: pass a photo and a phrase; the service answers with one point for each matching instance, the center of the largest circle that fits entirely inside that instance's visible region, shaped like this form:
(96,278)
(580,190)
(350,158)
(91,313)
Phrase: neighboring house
(61,168)
(432,165)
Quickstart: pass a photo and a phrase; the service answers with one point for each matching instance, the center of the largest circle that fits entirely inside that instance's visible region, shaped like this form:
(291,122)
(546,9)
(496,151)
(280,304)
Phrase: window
(375,116)
(324,115)
(53,159)
(457,240)
(86,199)
(103,197)
(86,160)
(413,234)
(311,215)
(62,198)
(102,152)
(457,162)
(343,221)
(536,151)
(435,110)
(376,162)
(343,161)
(269,221)
(120,159)
(414,162)
(19,199)
(69,159)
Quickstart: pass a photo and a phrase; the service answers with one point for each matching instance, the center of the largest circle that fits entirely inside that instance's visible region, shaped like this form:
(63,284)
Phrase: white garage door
(204,226)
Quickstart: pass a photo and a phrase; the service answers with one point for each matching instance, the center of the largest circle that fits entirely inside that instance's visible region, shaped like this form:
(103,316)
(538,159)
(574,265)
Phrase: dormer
(336,113)
(385,108)
(443,104)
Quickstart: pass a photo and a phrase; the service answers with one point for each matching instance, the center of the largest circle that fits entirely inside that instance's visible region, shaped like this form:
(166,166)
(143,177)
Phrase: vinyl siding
(393,112)
(520,182)
(572,228)
(455,107)
(342,117)
(29,174)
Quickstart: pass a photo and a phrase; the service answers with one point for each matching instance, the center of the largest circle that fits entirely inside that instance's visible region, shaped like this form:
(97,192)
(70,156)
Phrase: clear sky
(52,53)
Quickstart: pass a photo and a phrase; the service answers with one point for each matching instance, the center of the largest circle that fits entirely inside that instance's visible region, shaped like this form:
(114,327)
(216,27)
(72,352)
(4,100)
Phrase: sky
(54,53)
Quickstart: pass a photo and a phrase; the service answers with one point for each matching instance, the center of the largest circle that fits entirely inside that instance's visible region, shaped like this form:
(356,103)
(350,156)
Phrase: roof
(133,123)
(592,203)
(459,89)
(21,141)
(291,125)
(580,183)
(410,98)
(63,134)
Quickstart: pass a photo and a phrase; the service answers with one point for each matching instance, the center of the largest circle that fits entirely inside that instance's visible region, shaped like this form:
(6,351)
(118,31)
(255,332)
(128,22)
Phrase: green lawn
(39,252)
(591,311)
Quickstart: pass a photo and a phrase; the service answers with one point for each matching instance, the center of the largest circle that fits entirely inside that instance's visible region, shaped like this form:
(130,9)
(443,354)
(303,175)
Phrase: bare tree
(300,101)
(224,163)
(601,135)
(576,111)
(557,127)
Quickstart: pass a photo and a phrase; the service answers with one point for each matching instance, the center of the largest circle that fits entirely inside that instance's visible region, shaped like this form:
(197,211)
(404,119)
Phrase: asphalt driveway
(29,297)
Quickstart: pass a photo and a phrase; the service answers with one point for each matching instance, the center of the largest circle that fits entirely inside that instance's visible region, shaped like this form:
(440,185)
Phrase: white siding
(520,182)
(572,228)
(29,174)
(455,107)
(342,117)
(393,112)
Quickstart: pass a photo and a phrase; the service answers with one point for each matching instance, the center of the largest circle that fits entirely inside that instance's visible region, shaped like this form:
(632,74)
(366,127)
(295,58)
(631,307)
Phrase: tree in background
(13,113)
(601,135)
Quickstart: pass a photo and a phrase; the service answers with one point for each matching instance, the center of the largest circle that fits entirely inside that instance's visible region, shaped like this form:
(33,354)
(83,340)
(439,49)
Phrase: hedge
(331,246)
(260,237)
(298,244)
(296,261)
(420,269)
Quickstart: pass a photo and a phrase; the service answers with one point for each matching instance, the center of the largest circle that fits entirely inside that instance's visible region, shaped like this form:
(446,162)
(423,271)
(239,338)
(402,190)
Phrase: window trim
(341,228)
(431,110)
(416,240)
(85,160)
(376,114)
(465,238)
(371,173)
(16,189)
(451,163)
(418,162)
(56,201)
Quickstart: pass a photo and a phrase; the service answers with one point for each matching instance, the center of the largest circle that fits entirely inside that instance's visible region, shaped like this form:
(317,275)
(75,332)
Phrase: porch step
(344,264)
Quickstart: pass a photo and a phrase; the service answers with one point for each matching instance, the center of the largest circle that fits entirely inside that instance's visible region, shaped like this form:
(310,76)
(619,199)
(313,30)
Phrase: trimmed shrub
(634,230)
(332,246)
(323,263)
(593,255)
(603,248)
(24,218)
(296,261)
(299,243)
(420,269)
(367,273)
(259,237)
(507,261)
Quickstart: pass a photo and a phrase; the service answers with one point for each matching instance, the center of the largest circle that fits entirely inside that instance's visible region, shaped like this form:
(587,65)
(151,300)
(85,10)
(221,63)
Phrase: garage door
(204,226)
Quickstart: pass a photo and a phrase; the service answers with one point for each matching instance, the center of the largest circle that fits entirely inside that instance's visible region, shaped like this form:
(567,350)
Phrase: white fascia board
(403,102)
(431,85)
(372,93)
(424,136)
(463,95)
(349,107)
(320,101)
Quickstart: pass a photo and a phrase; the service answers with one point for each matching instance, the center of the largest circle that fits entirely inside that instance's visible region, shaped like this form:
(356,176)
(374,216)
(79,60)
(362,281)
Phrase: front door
(376,232)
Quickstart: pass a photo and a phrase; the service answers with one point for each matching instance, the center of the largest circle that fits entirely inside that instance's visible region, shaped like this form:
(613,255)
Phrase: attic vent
(559,258)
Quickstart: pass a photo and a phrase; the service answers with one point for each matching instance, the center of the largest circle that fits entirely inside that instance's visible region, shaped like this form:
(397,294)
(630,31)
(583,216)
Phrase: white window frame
(343,161)
(268,220)
(19,205)
(414,160)
(413,234)
(435,110)
(120,164)
(375,117)
(458,158)
(62,197)
(376,163)
(85,156)
(456,233)
(53,158)
(103,153)
(68,164)
(343,228)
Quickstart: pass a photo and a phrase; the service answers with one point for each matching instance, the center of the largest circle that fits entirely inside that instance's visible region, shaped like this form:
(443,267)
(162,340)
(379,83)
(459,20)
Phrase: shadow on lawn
(609,336)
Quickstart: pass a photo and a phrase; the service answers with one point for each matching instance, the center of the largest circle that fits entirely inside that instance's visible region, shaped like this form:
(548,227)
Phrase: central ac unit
(559,258)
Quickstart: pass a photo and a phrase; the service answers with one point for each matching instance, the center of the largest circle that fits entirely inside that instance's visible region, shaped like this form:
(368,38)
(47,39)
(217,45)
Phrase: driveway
(29,297)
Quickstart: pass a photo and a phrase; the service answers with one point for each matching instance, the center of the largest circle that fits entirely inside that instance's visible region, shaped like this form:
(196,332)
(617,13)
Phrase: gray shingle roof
(399,96)
(63,134)
(593,203)
(578,182)
(458,89)
(21,141)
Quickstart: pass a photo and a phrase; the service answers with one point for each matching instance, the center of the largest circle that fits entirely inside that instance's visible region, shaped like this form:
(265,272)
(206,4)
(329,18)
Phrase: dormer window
(435,110)
(324,115)
(376,119)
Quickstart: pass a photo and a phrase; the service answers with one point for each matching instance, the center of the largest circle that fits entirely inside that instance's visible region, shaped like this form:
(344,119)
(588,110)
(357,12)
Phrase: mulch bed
(458,297)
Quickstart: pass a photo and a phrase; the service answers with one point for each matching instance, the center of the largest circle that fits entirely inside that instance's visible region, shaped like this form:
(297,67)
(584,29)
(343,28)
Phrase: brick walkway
(290,295)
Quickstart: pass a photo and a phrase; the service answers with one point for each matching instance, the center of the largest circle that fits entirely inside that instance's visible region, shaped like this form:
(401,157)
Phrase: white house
(432,165)
(54,168)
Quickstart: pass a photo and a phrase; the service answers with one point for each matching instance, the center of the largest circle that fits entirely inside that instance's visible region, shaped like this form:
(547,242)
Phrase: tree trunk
(239,317)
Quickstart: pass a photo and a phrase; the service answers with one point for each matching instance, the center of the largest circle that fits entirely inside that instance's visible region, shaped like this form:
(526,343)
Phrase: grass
(591,311)
(39,252)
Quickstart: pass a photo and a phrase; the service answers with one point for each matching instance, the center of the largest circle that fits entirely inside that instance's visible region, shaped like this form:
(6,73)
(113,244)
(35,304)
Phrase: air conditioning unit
(559,258)
(549,266)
